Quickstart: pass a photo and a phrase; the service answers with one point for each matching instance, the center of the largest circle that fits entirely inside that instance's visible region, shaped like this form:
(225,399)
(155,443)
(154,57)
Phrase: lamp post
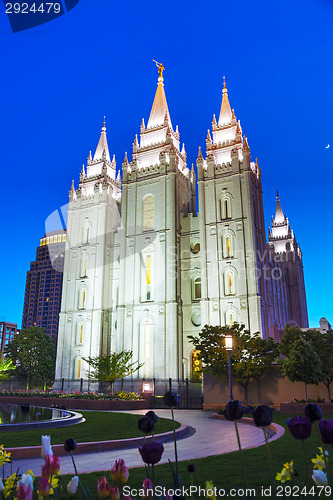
(228,346)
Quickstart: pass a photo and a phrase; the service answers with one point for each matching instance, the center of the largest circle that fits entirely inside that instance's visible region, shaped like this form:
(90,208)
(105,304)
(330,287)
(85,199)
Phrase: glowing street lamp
(228,346)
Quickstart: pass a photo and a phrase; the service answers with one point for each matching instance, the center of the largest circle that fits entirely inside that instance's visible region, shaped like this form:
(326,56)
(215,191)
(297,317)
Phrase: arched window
(147,278)
(84,266)
(86,234)
(83,298)
(148,212)
(196,366)
(226,207)
(79,333)
(230,318)
(78,368)
(146,347)
(196,288)
(229,282)
(228,246)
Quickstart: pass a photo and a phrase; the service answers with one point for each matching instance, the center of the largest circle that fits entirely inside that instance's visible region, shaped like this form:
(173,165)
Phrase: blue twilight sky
(59,79)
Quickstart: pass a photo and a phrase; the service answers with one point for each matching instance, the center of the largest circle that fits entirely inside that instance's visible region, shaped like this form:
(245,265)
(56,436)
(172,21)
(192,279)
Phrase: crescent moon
(327,146)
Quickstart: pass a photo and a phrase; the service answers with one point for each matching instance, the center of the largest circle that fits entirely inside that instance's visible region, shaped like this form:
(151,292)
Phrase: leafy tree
(33,354)
(6,366)
(111,368)
(251,355)
(303,364)
(321,343)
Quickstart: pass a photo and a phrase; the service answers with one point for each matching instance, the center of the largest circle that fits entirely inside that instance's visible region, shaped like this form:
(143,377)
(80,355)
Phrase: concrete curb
(276,428)
(96,446)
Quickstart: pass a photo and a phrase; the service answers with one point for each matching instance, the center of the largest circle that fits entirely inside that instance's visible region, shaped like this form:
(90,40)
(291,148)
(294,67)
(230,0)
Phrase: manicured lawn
(225,470)
(99,426)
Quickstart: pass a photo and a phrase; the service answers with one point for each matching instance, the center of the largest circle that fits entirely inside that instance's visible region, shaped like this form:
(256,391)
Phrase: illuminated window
(196,366)
(147,293)
(146,347)
(196,288)
(148,212)
(230,318)
(226,207)
(79,334)
(229,283)
(78,368)
(228,247)
(84,265)
(82,299)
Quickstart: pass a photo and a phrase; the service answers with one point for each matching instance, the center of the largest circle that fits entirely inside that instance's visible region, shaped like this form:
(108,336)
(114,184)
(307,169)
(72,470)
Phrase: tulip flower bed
(99,426)
(292,466)
(35,393)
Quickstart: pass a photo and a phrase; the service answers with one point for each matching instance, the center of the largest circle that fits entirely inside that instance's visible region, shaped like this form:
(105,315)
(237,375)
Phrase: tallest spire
(279,217)
(102,145)
(160,109)
(225,113)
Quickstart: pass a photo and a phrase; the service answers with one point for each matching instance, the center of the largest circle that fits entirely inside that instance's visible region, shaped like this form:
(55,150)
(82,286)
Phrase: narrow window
(226,208)
(148,212)
(84,299)
(148,282)
(196,290)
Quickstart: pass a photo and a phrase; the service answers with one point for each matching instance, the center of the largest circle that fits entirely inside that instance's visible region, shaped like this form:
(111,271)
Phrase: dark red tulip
(313,412)
(326,430)
(171,399)
(233,410)
(152,415)
(70,444)
(262,416)
(145,425)
(151,453)
(300,427)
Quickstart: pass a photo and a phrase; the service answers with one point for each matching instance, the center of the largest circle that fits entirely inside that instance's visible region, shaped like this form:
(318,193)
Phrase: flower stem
(174,440)
(269,455)
(306,462)
(322,446)
(153,478)
(241,453)
(82,488)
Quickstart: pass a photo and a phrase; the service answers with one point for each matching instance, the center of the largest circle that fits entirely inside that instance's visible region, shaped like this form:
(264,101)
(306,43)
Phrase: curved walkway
(212,437)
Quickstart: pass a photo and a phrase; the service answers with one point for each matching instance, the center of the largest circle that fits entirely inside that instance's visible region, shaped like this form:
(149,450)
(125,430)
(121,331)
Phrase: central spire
(279,217)
(102,145)
(159,111)
(225,113)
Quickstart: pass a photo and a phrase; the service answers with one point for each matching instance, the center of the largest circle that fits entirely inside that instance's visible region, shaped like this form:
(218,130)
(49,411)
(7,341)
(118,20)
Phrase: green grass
(225,470)
(99,426)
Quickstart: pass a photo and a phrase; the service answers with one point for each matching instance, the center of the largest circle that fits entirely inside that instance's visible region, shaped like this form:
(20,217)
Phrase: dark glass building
(7,333)
(42,299)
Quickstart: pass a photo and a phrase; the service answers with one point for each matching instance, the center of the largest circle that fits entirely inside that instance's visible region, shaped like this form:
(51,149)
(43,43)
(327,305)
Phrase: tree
(321,343)
(111,368)
(6,366)
(251,355)
(33,354)
(302,364)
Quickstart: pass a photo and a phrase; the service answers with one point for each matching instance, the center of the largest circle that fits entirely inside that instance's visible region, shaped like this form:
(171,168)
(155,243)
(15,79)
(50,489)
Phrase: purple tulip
(233,410)
(152,415)
(151,453)
(326,430)
(313,411)
(300,427)
(171,399)
(262,416)
(146,425)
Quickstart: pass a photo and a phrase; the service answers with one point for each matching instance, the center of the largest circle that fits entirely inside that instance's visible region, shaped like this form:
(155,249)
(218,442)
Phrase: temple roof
(102,145)
(225,113)
(160,109)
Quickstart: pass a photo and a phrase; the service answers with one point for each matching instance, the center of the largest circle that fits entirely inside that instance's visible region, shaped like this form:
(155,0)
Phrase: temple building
(144,268)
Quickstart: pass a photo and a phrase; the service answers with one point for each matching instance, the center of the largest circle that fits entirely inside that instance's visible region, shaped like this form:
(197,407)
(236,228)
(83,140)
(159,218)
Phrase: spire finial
(104,127)
(224,86)
(277,194)
(160,71)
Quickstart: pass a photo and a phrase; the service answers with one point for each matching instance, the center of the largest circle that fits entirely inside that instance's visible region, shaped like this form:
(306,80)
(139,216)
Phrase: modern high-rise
(42,299)
(7,333)
(144,269)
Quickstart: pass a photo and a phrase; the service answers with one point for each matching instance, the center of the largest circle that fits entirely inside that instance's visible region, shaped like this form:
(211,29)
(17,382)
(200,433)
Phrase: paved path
(212,437)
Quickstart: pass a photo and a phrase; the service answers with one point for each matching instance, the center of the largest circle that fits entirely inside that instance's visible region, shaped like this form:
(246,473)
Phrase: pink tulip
(115,495)
(24,493)
(44,487)
(147,485)
(119,471)
(52,466)
(103,488)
